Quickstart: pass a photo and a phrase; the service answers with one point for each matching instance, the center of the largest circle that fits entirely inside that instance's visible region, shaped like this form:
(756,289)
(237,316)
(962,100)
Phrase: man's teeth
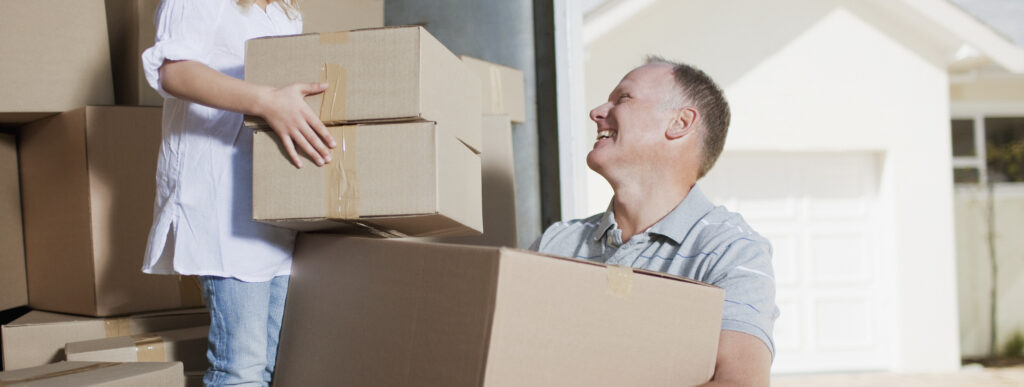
(605,134)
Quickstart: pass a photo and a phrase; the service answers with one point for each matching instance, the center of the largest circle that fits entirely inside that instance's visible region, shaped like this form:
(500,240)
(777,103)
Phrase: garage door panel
(838,258)
(819,212)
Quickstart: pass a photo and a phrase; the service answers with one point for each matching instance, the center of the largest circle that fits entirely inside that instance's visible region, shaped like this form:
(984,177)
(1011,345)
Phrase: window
(988,149)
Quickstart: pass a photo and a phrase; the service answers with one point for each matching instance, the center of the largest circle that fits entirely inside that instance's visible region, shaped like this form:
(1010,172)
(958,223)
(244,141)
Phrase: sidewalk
(969,376)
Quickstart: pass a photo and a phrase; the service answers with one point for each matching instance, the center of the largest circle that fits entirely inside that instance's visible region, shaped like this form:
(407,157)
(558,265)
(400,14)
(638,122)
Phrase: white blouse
(202,221)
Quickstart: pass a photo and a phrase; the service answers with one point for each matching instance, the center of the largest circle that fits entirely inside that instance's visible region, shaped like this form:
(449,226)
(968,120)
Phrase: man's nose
(600,112)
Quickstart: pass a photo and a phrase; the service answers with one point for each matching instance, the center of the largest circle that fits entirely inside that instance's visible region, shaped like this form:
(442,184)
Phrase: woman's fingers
(290,148)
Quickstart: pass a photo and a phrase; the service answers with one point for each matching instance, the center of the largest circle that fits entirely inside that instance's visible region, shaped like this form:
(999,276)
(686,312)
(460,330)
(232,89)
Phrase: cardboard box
(38,338)
(499,187)
(85,374)
(503,88)
(341,15)
(384,74)
(401,179)
(88,185)
(54,57)
(13,287)
(449,315)
(131,30)
(186,345)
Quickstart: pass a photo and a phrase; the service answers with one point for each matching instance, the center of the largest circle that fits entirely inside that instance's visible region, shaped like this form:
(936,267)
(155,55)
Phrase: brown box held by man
(394,312)
(13,287)
(341,15)
(499,187)
(131,30)
(54,57)
(39,338)
(503,88)
(402,179)
(186,345)
(93,374)
(88,185)
(383,74)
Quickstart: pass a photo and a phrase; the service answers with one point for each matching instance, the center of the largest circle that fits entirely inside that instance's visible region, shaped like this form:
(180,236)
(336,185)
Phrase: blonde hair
(291,7)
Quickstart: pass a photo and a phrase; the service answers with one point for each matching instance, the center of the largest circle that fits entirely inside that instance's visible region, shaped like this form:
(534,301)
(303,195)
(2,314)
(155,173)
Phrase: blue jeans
(245,324)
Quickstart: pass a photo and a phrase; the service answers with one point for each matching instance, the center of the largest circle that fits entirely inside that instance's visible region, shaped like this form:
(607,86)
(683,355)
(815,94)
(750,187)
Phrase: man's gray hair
(696,88)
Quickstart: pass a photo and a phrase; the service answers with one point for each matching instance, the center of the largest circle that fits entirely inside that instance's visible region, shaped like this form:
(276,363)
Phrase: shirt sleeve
(185,30)
(744,271)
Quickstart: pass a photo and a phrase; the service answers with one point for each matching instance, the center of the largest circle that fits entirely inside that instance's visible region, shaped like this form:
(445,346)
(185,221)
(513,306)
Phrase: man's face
(631,125)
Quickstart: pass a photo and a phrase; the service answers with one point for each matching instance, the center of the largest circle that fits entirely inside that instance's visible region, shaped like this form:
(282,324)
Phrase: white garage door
(820,211)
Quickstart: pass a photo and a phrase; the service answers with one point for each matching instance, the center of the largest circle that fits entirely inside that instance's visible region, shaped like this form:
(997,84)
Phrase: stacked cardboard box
(88,181)
(39,338)
(84,175)
(54,57)
(13,288)
(185,345)
(503,96)
(106,374)
(404,111)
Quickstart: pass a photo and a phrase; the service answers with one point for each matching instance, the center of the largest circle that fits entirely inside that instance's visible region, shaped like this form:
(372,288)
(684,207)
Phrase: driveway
(969,376)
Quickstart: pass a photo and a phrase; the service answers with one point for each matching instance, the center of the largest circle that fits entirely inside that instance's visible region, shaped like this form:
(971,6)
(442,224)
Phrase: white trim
(968,109)
(980,36)
(569,67)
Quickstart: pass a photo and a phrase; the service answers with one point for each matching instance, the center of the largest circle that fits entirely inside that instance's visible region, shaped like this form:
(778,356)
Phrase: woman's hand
(283,108)
(295,123)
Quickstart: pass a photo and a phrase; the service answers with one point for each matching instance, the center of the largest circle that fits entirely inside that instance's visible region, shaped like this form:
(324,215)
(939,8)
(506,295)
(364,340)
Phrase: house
(839,152)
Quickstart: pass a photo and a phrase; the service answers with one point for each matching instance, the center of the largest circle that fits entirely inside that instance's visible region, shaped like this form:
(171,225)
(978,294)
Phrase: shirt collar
(675,225)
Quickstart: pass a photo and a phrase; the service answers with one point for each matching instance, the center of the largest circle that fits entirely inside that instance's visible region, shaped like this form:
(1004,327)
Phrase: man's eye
(624,96)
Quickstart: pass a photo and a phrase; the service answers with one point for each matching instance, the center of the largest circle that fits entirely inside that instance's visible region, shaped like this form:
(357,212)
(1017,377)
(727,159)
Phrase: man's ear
(684,122)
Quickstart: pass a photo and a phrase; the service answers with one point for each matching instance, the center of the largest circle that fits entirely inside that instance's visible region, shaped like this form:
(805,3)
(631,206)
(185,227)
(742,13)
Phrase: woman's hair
(291,7)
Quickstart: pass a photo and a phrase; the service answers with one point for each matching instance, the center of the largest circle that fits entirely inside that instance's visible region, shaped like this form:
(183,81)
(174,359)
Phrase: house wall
(974,258)
(989,93)
(826,76)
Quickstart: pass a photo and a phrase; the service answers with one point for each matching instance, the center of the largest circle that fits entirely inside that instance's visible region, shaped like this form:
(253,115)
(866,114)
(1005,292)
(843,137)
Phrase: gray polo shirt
(696,240)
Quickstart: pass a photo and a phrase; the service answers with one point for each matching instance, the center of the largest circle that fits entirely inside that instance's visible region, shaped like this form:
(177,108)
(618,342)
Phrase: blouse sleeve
(185,30)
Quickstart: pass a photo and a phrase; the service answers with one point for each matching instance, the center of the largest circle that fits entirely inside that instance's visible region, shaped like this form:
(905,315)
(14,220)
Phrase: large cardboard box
(504,91)
(88,185)
(382,74)
(186,345)
(499,187)
(131,30)
(54,57)
(393,312)
(341,15)
(38,338)
(401,179)
(13,288)
(87,374)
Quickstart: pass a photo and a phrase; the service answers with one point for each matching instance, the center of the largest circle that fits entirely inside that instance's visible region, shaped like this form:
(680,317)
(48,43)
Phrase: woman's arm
(283,108)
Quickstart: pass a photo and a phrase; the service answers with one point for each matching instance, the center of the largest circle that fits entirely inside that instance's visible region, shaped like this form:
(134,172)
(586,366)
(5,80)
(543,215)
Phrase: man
(660,131)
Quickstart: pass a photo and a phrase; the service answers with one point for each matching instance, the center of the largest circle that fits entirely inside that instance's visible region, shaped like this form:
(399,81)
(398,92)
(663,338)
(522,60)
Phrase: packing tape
(190,289)
(497,97)
(334,37)
(332,106)
(343,179)
(87,368)
(117,327)
(619,281)
(149,348)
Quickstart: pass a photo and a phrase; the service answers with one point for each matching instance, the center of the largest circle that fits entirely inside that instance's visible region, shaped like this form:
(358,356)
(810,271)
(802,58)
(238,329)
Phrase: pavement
(971,375)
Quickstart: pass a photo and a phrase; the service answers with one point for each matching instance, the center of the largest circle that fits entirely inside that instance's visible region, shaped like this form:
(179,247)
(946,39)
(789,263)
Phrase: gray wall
(499,31)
